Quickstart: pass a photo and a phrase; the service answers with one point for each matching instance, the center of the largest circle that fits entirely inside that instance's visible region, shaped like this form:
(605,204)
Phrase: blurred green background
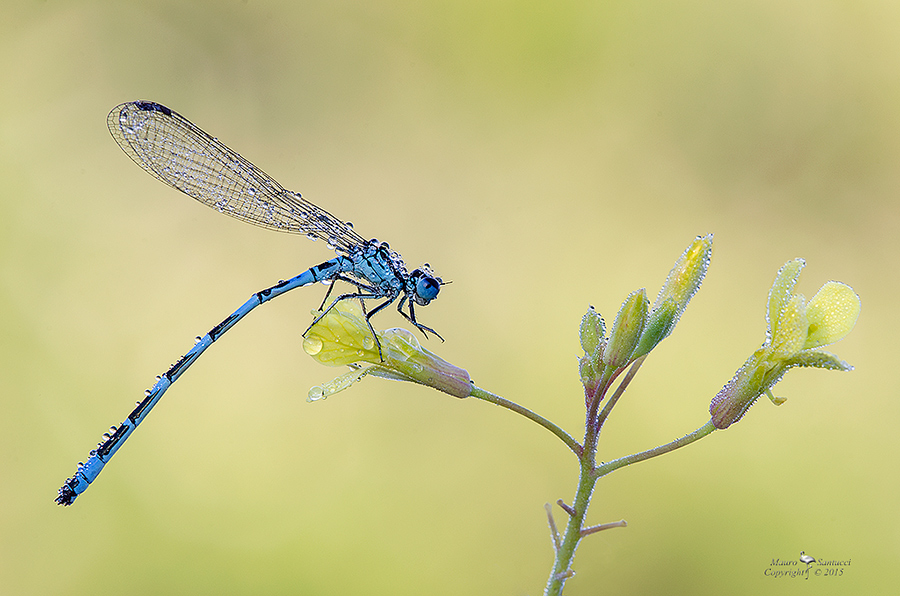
(542,156)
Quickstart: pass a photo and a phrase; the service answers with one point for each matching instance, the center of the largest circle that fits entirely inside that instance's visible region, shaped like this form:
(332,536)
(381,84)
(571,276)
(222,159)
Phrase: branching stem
(565,437)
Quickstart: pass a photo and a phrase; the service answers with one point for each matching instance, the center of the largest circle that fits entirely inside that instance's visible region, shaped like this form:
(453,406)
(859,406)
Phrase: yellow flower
(343,337)
(795,328)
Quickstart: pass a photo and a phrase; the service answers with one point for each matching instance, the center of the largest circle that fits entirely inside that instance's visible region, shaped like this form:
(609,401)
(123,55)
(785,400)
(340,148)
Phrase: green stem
(604,469)
(566,552)
(586,480)
(590,471)
(565,437)
(623,384)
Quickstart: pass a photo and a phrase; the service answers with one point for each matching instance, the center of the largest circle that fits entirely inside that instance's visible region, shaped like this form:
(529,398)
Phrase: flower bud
(681,284)
(591,333)
(626,331)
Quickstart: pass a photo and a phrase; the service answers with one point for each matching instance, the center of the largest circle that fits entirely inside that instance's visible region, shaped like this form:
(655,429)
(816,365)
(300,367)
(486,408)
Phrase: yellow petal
(342,337)
(831,313)
(782,290)
(789,334)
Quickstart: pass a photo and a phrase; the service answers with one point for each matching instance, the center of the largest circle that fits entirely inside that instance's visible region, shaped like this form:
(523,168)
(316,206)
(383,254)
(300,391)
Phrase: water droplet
(312,345)
(158,378)
(198,339)
(311,236)
(147,393)
(316,393)
(349,224)
(368,342)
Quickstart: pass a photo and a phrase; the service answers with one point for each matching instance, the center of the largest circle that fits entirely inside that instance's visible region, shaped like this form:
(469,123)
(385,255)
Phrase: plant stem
(604,469)
(601,418)
(566,552)
(586,480)
(565,437)
(591,472)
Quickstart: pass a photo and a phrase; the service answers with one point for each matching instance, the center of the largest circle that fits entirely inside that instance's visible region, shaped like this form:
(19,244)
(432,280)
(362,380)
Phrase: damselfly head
(427,285)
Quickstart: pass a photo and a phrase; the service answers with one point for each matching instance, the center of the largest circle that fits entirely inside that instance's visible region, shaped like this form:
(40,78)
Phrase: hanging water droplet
(312,345)
(316,393)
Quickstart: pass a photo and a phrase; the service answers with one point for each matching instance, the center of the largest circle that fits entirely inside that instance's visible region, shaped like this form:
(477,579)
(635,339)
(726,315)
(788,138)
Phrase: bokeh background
(543,156)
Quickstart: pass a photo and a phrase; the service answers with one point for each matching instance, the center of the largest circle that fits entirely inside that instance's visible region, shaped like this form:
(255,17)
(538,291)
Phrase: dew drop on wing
(349,224)
(197,340)
(146,393)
